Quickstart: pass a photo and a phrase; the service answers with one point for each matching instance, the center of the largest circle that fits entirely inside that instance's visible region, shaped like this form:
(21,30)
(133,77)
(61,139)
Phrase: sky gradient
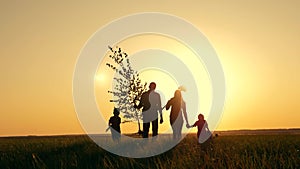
(257,44)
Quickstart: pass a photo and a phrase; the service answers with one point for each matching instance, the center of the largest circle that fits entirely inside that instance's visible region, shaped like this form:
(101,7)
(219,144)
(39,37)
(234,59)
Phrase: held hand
(188,126)
(161,120)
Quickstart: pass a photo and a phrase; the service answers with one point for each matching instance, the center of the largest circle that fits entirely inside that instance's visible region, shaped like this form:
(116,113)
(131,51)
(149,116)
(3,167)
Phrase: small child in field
(203,134)
(114,125)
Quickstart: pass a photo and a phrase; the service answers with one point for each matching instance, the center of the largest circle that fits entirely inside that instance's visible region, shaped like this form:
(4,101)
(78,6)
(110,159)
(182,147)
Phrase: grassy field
(235,151)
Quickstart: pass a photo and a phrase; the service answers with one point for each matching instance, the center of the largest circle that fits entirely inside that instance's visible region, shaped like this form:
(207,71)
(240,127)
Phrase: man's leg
(155,127)
(146,127)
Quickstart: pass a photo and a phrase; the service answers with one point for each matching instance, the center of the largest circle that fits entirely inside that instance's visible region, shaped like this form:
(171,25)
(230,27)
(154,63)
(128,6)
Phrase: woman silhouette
(176,119)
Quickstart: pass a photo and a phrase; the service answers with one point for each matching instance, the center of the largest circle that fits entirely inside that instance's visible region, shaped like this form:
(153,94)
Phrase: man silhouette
(151,103)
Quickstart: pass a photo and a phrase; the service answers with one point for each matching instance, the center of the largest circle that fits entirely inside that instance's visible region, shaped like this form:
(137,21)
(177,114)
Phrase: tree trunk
(139,124)
(140,131)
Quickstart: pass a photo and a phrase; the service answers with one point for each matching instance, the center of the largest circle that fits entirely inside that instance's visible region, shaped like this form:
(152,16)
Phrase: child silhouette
(114,125)
(203,134)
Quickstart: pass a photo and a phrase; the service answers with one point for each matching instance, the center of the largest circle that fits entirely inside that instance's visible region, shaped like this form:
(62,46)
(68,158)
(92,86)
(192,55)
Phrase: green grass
(253,151)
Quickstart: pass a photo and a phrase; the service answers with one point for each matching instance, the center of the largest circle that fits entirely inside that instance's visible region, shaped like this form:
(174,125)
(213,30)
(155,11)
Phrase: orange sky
(257,44)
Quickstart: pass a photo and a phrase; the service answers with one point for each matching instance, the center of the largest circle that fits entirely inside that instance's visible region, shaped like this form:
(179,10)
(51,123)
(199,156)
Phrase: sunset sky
(257,44)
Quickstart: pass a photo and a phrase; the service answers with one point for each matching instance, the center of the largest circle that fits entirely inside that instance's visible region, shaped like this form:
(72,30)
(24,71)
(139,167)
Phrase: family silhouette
(150,103)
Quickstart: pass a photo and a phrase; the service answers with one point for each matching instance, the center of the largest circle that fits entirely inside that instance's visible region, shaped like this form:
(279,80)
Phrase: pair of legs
(206,140)
(116,136)
(146,127)
(176,127)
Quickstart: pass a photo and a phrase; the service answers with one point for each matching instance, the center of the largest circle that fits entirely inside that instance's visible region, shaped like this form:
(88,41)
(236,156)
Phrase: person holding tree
(151,103)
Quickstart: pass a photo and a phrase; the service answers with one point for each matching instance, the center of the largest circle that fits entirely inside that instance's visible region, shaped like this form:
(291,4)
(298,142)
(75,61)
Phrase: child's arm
(108,126)
(206,127)
(190,126)
(194,125)
(107,129)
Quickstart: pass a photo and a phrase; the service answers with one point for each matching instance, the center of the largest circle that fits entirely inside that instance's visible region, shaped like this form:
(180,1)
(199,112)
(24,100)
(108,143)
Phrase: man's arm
(160,109)
(141,103)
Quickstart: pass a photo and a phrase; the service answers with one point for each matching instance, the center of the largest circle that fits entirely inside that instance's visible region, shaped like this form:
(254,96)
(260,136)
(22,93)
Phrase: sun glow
(101,77)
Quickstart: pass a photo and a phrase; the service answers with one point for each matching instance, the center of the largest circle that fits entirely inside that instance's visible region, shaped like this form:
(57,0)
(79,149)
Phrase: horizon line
(78,134)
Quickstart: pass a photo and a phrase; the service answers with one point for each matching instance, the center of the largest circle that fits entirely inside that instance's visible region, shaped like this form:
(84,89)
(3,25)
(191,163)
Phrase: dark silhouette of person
(178,108)
(204,135)
(114,125)
(151,103)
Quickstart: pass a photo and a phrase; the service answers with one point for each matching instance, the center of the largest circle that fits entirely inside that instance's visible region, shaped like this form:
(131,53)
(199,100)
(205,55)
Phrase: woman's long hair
(178,96)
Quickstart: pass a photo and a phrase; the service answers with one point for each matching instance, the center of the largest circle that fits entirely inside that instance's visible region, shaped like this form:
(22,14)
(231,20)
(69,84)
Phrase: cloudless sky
(257,43)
